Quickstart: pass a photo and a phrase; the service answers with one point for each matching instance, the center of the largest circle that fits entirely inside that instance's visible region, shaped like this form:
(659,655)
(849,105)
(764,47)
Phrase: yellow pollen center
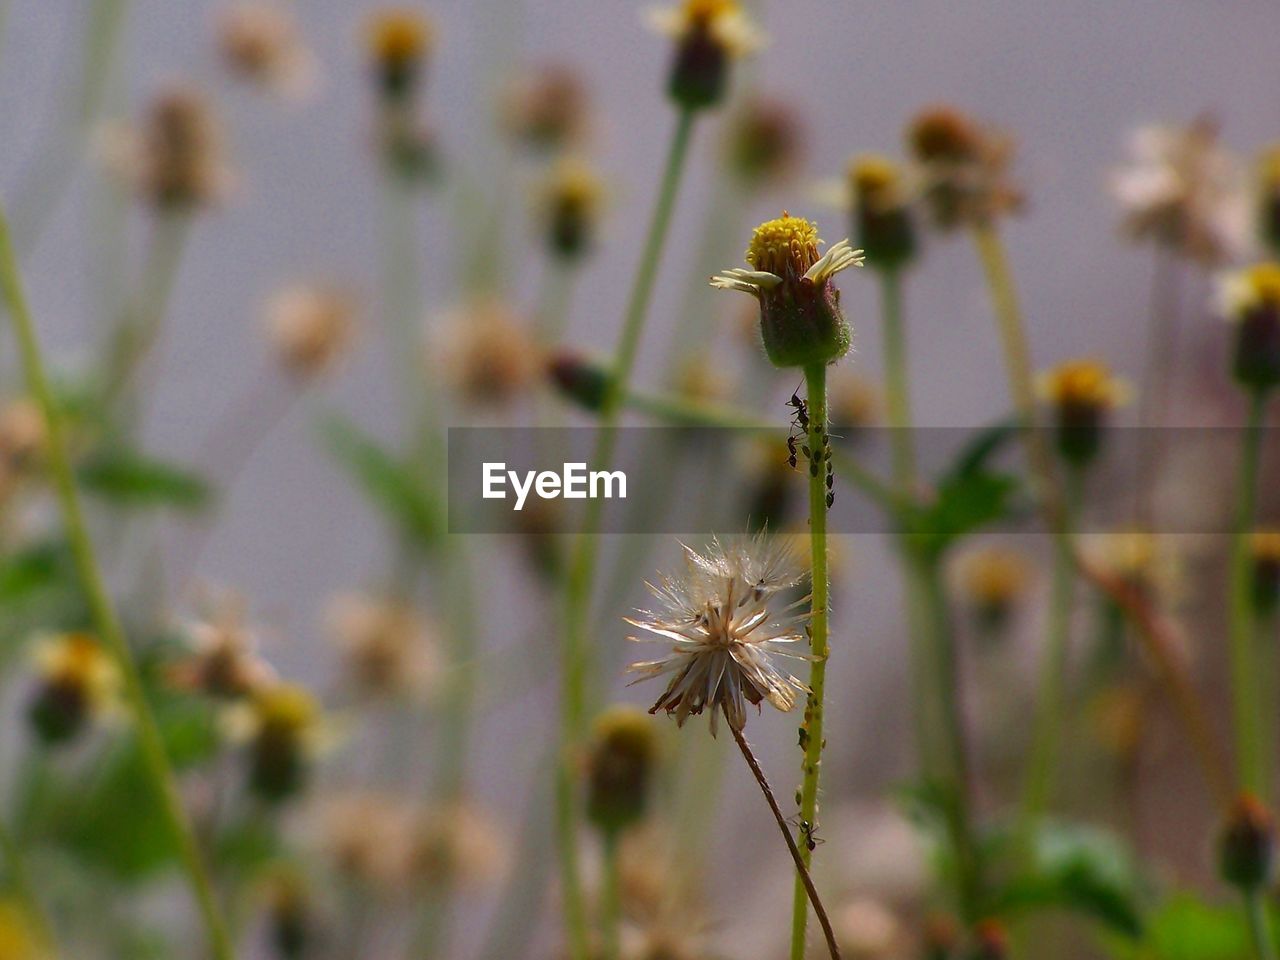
(287,708)
(785,245)
(398,37)
(704,12)
(1082,383)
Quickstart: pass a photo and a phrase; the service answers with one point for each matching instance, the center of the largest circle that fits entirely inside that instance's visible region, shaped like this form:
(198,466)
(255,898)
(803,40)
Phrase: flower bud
(992,581)
(800,319)
(546,109)
(990,941)
(399,41)
(964,168)
(78,682)
(1251,298)
(763,142)
(290,920)
(709,35)
(570,209)
(1082,394)
(284,719)
(883,223)
(620,768)
(1264,549)
(579,380)
(1246,847)
(309,328)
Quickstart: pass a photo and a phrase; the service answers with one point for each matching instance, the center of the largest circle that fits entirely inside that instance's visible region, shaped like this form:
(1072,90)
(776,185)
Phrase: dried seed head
(963,169)
(261,44)
(223,661)
(546,108)
(1251,299)
(883,222)
(709,35)
(366,836)
(1082,393)
(867,929)
(174,159)
(800,319)
(399,41)
(992,581)
(78,682)
(387,649)
(764,141)
(310,327)
(1246,848)
(725,619)
(569,208)
(487,354)
(620,768)
(1181,190)
(457,846)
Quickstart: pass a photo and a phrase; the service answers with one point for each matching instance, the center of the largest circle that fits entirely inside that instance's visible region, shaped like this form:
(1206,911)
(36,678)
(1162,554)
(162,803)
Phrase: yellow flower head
(398,37)
(78,661)
(1244,291)
(876,180)
(800,318)
(1083,384)
(569,206)
(286,708)
(994,577)
(724,21)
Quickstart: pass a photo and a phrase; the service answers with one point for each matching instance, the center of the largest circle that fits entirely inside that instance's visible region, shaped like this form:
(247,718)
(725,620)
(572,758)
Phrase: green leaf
(1075,868)
(391,485)
(33,568)
(1187,928)
(127,477)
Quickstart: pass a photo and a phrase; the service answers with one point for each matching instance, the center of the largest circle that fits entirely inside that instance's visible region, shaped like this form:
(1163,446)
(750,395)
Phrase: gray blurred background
(1069,78)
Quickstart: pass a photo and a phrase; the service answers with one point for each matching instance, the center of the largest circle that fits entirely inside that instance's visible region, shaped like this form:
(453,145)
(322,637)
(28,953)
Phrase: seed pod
(620,768)
(582,382)
(1246,848)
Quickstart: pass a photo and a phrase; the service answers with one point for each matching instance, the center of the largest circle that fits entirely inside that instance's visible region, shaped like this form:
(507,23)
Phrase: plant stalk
(812,737)
(802,866)
(1245,682)
(581,574)
(102,609)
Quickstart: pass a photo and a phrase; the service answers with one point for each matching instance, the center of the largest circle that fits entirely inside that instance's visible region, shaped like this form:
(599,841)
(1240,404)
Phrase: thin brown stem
(801,870)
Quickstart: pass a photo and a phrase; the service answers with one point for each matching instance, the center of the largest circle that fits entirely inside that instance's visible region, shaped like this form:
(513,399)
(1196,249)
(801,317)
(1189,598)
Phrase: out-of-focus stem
(1161,352)
(946,671)
(812,736)
(583,563)
(1264,943)
(611,897)
(44,181)
(138,328)
(1042,766)
(1244,667)
(904,480)
(102,609)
